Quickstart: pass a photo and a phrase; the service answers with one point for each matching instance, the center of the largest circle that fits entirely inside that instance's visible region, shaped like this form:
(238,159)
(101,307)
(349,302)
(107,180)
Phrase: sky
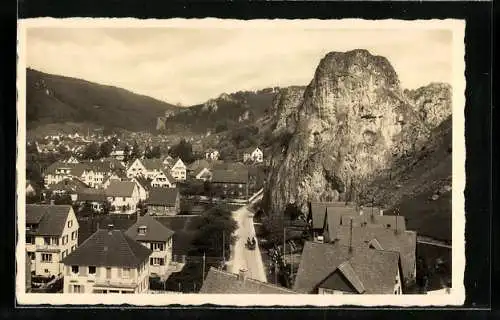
(189,65)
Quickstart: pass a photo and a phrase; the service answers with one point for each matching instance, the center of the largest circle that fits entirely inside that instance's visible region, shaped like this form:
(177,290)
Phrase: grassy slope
(414,180)
(75,100)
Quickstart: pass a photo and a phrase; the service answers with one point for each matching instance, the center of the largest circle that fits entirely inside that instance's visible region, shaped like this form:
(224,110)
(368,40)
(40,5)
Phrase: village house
(123,196)
(223,282)
(167,161)
(317,216)
(384,239)
(253,155)
(155,236)
(163,202)
(114,176)
(231,183)
(340,269)
(118,154)
(144,185)
(212,154)
(109,261)
(30,189)
(178,170)
(96,198)
(51,234)
(68,186)
(145,167)
(71,159)
(200,170)
(163,179)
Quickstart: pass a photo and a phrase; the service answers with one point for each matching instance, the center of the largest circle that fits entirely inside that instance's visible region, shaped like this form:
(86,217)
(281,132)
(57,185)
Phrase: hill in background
(56,99)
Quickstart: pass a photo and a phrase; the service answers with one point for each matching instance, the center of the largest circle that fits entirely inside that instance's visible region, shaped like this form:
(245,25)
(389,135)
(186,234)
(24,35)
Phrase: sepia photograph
(240,163)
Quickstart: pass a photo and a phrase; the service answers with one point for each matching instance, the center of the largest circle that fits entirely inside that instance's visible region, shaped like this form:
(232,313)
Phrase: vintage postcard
(240,163)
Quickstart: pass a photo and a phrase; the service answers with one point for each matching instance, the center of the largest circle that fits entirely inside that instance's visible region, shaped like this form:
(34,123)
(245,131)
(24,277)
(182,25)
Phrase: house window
(92,269)
(157,246)
(73,235)
(75,269)
(157,261)
(31,255)
(46,257)
(126,273)
(77,288)
(142,230)
(108,273)
(70,223)
(123,199)
(46,241)
(30,240)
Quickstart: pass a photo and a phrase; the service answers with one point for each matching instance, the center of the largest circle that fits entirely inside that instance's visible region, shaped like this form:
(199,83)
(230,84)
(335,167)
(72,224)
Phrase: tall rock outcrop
(432,102)
(348,124)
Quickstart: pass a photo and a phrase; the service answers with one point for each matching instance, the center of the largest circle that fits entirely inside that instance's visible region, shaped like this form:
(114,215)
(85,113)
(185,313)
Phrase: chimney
(242,274)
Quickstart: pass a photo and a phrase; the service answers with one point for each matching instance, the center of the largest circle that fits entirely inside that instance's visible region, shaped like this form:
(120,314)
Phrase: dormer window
(142,230)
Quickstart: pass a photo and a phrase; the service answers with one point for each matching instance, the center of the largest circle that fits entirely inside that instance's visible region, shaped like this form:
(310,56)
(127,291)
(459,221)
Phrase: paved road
(241,257)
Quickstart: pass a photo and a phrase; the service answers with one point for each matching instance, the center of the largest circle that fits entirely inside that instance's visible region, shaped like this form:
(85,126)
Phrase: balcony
(111,283)
(48,248)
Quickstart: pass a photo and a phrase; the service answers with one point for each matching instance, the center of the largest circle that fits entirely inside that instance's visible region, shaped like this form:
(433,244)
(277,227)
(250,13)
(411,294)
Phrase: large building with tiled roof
(123,196)
(386,239)
(155,236)
(338,269)
(51,234)
(109,261)
(231,183)
(222,282)
(163,202)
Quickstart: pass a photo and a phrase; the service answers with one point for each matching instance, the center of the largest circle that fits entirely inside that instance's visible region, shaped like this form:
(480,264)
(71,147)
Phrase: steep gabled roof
(143,182)
(91,194)
(109,248)
(69,184)
(155,231)
(369,269)
(152,164)
(218,281)
(391,222)
(404,242)
(51,219)
(163,196)
(318,211)
(230,176)
(334,218)
(120,188)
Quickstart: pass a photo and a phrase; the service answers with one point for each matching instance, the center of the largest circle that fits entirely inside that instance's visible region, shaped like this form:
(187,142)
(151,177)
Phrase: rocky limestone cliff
(348,124)
(432,102)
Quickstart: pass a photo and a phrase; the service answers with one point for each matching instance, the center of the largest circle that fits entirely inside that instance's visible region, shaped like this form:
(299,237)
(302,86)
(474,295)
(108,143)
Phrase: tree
(136,151)
(215,228)
(91,152)
(126,153)
(156,152)
(220,127)
(105,149)
(183,150)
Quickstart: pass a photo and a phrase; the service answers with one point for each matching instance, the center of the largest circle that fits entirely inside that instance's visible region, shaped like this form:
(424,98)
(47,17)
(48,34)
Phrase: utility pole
(350,238)
(203,275)
(223,247)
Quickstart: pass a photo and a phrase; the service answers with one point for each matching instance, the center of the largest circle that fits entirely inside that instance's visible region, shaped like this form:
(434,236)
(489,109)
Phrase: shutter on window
(162,261)
(68,271)
(119,272)
(83,271)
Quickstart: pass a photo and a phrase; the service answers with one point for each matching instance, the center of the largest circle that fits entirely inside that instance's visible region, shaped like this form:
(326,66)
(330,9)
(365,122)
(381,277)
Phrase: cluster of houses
(353,251)
(356,251)
(109,261)
(110,181)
